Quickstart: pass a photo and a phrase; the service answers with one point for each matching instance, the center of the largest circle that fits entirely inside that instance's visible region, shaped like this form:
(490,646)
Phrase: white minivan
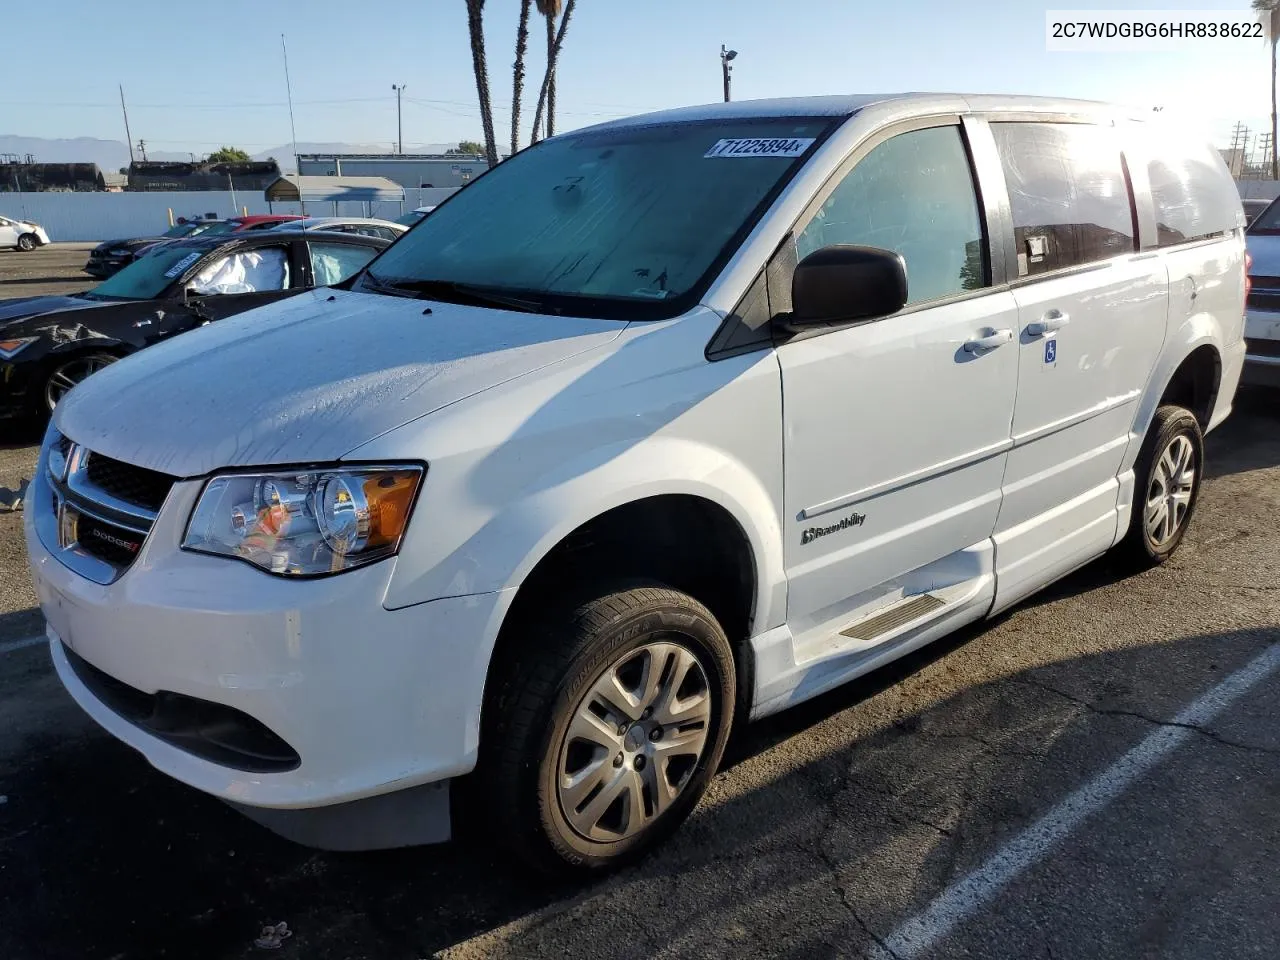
(658,427)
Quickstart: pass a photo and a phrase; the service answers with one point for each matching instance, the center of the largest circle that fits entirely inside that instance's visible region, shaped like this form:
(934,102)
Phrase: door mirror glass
(848,282)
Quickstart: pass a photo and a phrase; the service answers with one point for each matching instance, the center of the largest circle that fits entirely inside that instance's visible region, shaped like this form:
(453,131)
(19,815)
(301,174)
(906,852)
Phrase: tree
(546,98)
(229,155)
(470,148)
(517,70)
(475,26)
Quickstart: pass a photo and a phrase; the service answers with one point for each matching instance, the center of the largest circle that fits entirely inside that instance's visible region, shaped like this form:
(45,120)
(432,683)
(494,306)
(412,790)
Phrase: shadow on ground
(830,820)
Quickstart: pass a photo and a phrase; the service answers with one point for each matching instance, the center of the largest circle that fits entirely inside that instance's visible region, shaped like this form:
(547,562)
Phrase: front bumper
(372,701)
(103,267)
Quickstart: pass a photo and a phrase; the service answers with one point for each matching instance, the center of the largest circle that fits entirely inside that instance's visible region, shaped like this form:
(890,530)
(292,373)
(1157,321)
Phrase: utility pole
(142,149)
(128,137)
(399,89)
(1236,153)
(725,57)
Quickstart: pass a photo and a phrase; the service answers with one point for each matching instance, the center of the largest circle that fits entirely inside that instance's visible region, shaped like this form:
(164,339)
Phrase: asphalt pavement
(1095,774)
(56,268)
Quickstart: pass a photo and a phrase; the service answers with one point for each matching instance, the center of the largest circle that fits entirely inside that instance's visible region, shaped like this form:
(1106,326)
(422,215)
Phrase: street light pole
(725,57)
(399,89)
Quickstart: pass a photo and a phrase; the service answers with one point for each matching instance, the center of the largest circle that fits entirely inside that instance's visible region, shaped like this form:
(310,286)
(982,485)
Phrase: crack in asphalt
(1155,721)
(832,864)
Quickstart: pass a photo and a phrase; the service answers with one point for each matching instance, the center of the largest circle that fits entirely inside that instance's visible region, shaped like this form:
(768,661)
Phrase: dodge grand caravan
(658,427)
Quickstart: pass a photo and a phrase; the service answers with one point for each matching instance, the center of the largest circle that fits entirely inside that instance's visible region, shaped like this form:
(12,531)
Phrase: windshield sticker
(182,264)
(760,147)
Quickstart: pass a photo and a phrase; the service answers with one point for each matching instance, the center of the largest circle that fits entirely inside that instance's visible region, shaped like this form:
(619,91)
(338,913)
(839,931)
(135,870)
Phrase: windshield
(1268,221)
(619,223)
(181,230)
(148,276)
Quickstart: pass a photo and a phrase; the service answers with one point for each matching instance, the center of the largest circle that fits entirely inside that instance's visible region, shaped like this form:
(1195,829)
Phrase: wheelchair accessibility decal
(1050,351)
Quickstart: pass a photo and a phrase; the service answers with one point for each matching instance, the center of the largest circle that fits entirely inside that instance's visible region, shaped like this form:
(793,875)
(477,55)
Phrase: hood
(1265,250)
(308,379)
(22,308)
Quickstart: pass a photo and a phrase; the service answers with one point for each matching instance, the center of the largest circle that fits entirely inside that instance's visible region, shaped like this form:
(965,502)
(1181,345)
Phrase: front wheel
(606,726)
(28,242)
(1168,473)
(70,372)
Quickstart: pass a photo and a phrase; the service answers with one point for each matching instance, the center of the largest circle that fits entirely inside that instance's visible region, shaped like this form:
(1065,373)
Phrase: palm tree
(522,44)
(475,24)
(546,98)
(1269,13)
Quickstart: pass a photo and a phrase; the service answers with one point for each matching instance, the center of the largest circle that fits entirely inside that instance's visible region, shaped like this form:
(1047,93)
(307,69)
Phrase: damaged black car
(49,344)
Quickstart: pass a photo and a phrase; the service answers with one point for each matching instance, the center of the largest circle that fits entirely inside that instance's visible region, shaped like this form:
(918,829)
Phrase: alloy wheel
(71,373)
(1173,481)
(634,741)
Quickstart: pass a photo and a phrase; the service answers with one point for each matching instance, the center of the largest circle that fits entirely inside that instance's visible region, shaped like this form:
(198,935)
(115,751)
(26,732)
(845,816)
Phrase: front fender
(507,549)
(515,470)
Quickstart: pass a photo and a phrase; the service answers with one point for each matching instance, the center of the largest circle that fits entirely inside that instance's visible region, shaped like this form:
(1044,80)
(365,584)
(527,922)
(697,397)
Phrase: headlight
(304,523)
(11,348)
(118,252)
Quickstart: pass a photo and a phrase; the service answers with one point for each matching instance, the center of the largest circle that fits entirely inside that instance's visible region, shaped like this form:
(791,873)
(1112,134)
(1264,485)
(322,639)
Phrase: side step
(898,615)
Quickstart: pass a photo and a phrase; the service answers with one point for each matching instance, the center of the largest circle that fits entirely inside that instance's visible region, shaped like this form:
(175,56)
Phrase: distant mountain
(114,154)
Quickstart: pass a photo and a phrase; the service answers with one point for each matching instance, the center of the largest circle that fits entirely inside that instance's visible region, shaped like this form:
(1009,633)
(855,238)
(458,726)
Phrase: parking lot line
(8,646)
(922,932)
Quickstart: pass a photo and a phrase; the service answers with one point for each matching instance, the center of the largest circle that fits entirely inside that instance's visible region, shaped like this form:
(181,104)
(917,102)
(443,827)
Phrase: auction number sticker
(182,264)
(760,147)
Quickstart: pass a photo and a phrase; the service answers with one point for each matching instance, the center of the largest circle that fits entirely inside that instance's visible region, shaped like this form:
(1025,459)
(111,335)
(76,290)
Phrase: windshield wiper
(451,291)
(375,284)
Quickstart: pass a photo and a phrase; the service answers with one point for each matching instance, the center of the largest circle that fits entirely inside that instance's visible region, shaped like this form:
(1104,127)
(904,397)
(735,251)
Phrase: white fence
(107,216)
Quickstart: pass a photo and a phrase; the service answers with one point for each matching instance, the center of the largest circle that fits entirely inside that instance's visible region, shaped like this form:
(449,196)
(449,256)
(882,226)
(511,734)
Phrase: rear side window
(1193,193)
(1068,194)
(333,262)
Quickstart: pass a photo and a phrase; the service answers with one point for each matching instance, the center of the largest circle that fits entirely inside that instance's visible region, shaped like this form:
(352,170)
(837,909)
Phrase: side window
(246,271)
(1193,193)
(333,262)
(386,233)
(912,194)
(1068,193)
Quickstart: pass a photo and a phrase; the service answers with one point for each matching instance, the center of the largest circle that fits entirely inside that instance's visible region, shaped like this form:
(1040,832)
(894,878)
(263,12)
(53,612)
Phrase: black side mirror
(848,282)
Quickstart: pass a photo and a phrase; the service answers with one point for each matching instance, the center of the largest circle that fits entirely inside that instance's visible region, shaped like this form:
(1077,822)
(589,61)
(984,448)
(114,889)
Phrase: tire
(564,802)
(68,372)
(1168,473)
(28,242)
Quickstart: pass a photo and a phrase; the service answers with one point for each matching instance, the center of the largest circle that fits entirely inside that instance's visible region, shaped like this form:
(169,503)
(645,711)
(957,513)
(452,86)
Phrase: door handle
(989,342)
(1051,322)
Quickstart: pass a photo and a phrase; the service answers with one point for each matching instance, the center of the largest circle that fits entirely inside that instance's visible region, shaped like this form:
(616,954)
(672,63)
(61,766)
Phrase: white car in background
(21,235)
(368,226)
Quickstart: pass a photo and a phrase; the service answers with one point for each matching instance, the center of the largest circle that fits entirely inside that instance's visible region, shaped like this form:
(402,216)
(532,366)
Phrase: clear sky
(201,74)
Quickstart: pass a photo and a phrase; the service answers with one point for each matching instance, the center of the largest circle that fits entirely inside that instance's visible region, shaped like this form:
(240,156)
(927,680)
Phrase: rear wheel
(605,728)
(28,242)
(1168,474)
(70,372)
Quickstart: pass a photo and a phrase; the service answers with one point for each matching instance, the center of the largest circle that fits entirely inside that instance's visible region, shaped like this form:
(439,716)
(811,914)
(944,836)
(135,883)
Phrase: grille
(106,541)
(1262,348)
(136,485)
(102,509)
(1264,299)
